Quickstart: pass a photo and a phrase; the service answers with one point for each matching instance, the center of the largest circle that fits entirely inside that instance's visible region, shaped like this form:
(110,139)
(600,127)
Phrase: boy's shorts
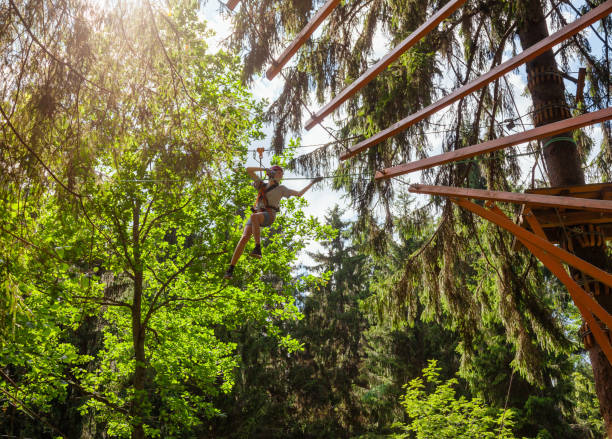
(268,219)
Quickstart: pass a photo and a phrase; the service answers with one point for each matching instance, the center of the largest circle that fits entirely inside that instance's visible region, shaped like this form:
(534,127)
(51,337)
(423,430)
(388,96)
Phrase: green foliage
(114,307)
(435,411)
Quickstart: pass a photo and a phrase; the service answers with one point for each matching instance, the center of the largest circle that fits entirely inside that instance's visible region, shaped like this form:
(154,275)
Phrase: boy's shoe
(229,273)
(256,253)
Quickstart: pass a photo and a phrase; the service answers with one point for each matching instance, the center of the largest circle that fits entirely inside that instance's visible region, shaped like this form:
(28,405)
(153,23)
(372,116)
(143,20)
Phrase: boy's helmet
(274,170)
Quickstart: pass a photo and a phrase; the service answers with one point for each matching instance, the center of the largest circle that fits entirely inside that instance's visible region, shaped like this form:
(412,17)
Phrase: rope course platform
(598,320)
(590,228)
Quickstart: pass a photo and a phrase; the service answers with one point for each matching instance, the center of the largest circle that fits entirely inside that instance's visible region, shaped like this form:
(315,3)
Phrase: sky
(320,198)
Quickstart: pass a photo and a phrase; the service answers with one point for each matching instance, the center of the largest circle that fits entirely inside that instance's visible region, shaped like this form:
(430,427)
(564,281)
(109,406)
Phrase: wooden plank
(574,190)
(532,52)
(384,62)
(497,144)
(593,195)
(560,219)
(516,198)
(301,38)
(543,244)
(584,302)
(231,4)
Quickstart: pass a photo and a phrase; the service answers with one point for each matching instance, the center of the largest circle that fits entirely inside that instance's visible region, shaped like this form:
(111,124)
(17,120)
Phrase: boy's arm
(252,172)
(303,191)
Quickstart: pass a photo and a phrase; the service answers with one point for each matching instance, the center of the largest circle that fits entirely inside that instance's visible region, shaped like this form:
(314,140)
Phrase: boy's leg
(246,235)
(256,220)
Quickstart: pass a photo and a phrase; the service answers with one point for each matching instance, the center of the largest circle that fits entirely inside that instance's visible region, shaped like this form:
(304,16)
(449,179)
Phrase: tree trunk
(563,166)
(138,407)
(138,335)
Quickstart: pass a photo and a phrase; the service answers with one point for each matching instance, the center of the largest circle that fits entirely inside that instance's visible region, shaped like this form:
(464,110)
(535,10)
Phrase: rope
(559,139)
(368,177)
(501,427)
(154,180)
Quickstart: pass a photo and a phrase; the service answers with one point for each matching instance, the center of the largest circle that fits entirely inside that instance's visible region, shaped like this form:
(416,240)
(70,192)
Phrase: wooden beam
(582,298)
(532,52)
(584,302)
(384,62)
(541,243)
(301,38)
(516,198)
(575,190)
(540,132)
(231,4)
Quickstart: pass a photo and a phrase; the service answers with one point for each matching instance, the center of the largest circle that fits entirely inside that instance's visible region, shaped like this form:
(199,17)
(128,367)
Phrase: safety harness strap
(261,195)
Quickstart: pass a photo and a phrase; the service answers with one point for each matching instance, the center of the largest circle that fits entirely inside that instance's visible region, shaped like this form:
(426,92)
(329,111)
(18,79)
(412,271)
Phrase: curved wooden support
(584,302)
(532,52)
(541,243)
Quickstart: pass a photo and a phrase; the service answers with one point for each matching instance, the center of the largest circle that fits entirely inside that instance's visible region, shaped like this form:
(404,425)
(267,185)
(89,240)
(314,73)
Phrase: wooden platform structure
(538,205)
(571,225)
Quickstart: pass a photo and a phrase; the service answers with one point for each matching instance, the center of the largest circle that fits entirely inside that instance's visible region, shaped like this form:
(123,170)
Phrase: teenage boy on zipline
(265,209)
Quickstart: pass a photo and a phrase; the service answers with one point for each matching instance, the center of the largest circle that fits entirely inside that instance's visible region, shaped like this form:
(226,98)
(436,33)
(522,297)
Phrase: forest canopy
(123,146)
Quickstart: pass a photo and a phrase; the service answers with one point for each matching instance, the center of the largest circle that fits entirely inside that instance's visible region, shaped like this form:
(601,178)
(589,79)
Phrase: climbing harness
(261,195)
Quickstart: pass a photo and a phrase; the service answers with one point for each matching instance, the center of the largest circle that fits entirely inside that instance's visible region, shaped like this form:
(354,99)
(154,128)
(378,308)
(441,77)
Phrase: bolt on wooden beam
(530,53)
(384,62)
(540,132)
(301,38)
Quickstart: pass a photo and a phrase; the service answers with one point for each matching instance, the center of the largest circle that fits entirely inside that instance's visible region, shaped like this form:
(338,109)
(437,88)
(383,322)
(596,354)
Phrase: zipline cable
(365,176)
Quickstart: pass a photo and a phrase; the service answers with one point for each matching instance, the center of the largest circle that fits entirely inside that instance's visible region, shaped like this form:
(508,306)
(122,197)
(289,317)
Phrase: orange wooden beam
(584,302)
(543,244)
(301,38)
(532,52)
(231,4)
(540,132)
(384,62)
(511,197)
(582,297)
